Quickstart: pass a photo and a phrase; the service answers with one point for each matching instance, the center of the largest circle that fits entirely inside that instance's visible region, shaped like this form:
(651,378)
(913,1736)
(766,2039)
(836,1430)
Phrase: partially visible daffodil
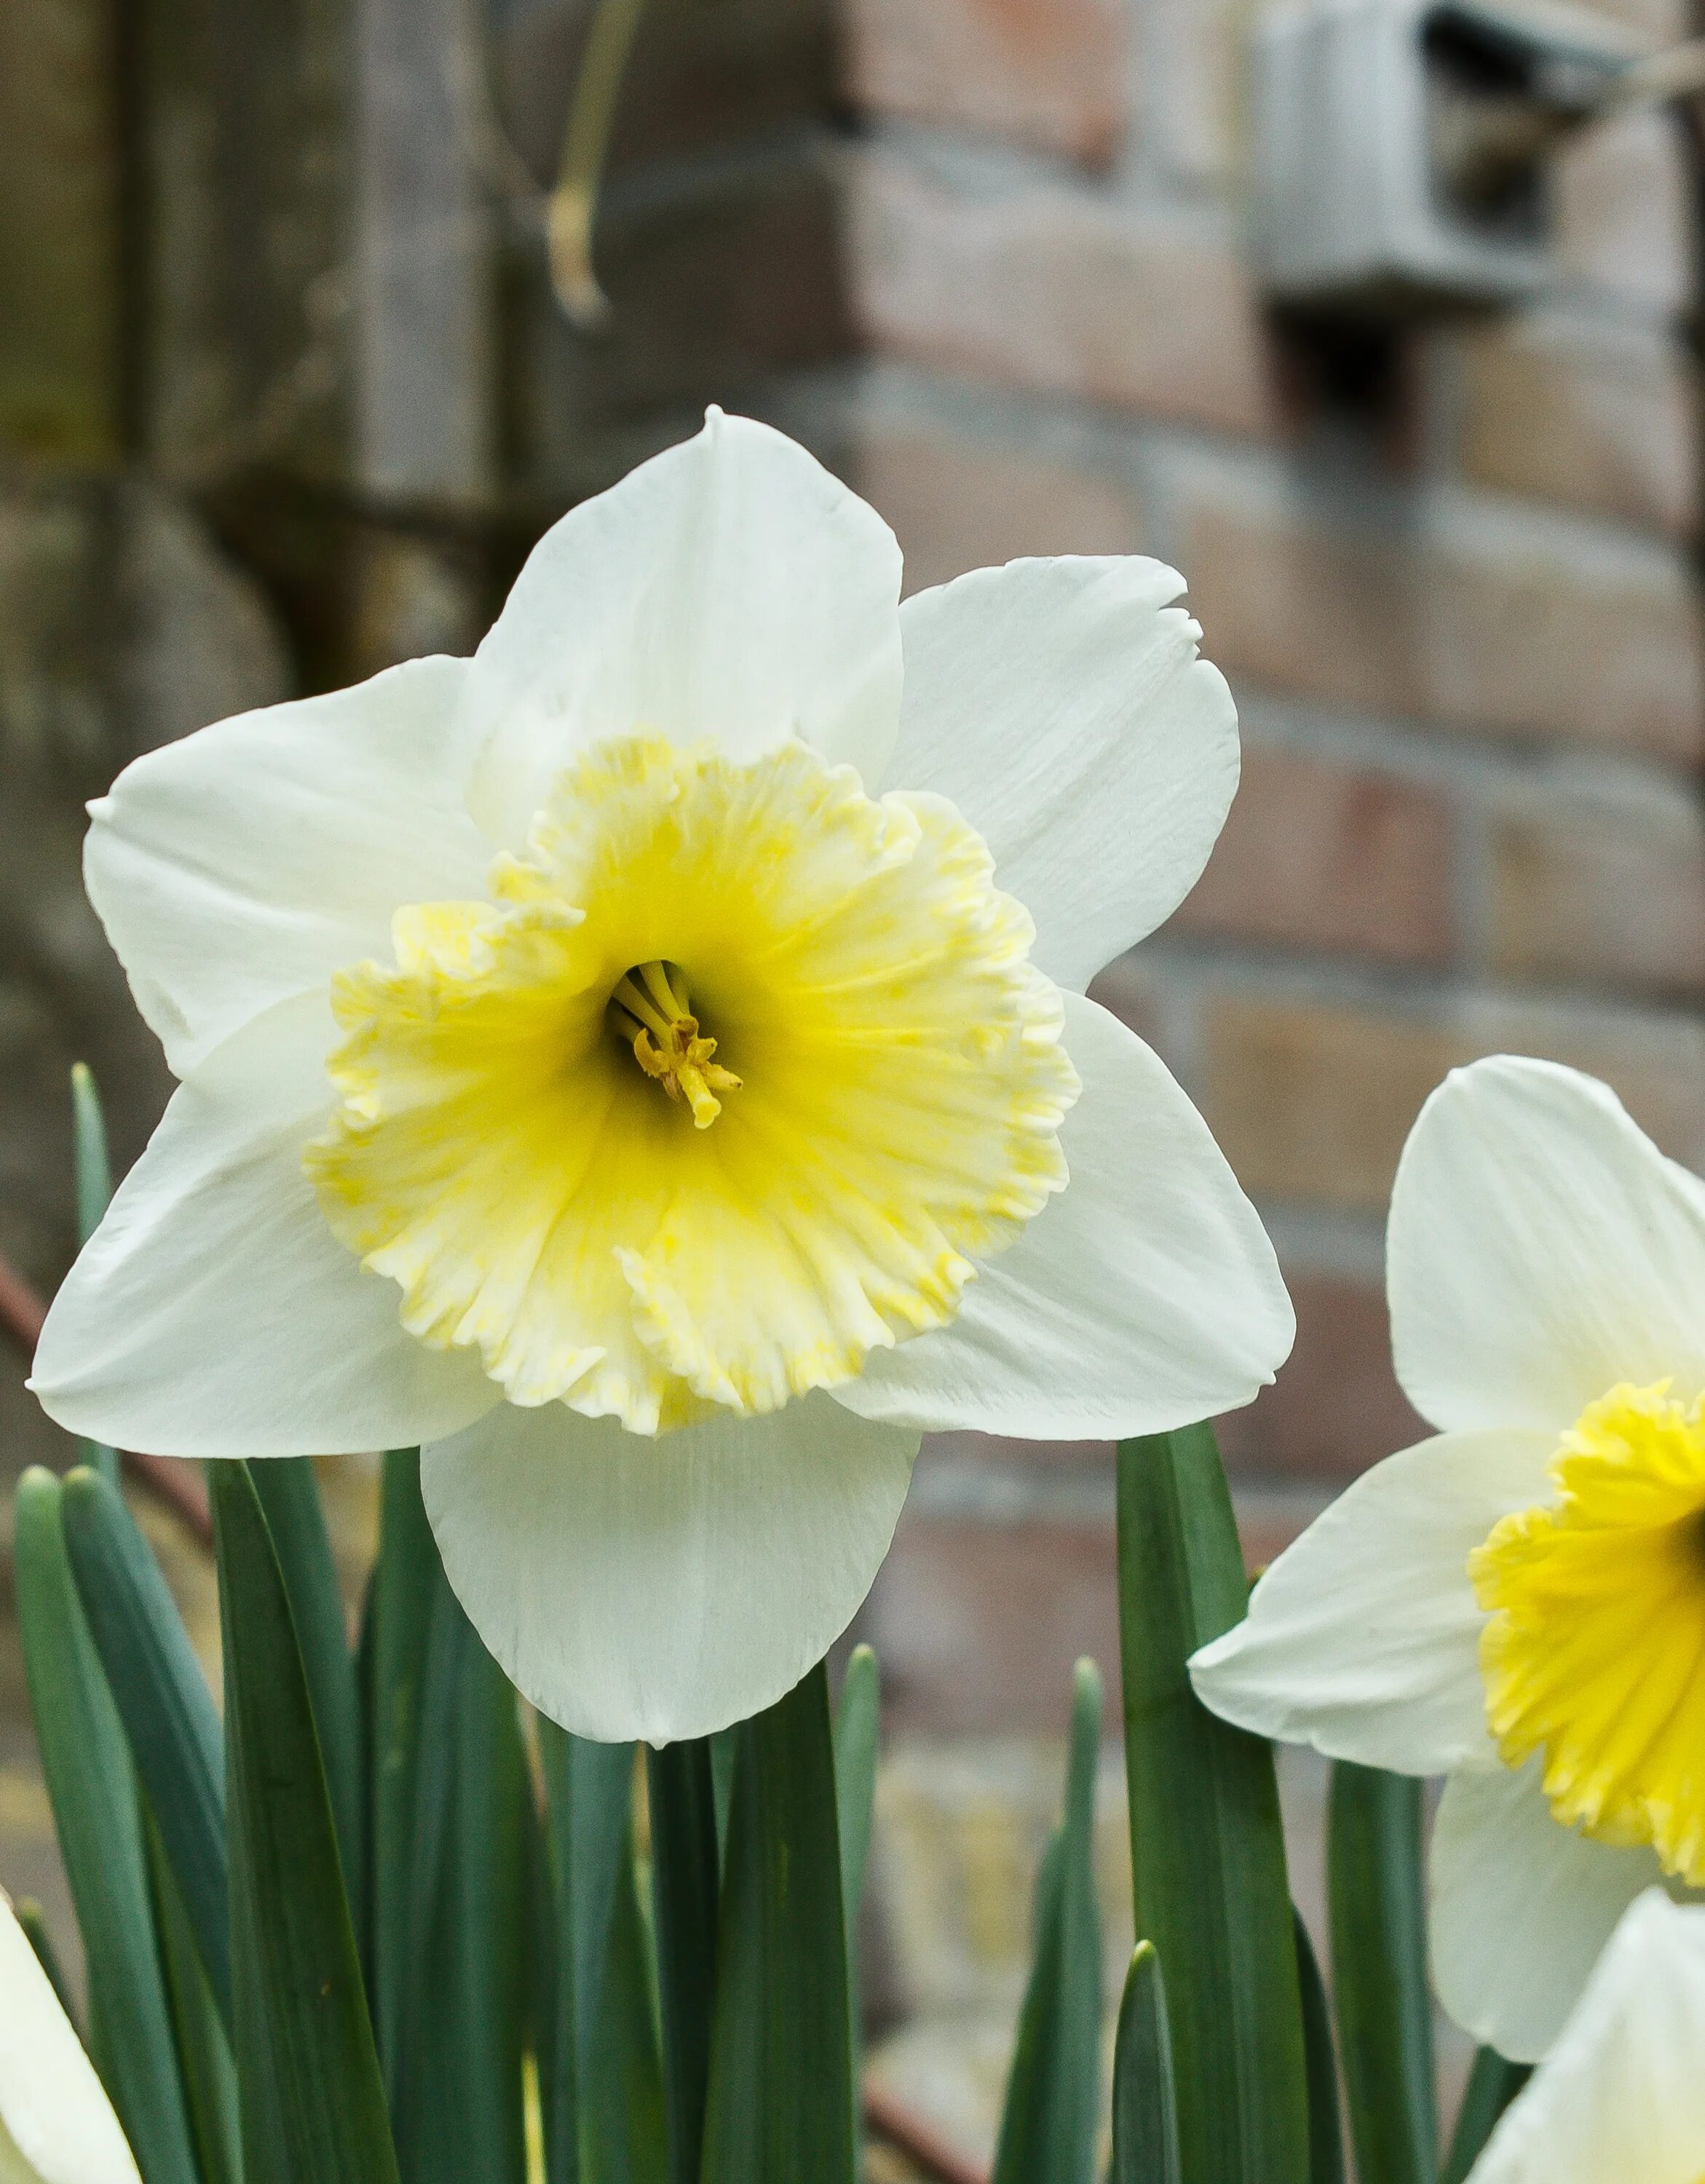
(57,2126)
(1620,2099)
(1519,1603)
(648,1064)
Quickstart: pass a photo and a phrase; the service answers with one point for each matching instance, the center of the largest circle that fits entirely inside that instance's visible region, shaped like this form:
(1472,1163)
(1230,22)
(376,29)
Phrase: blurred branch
(585,142)
(175,1485)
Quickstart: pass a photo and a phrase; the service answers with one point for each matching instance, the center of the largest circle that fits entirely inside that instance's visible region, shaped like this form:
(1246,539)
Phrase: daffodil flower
(611,1062)
(1519,1604)
(57,2126)
(1621,2096)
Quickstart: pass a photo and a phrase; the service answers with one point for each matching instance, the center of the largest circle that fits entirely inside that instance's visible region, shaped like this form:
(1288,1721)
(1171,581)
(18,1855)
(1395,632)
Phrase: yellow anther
(667,1043)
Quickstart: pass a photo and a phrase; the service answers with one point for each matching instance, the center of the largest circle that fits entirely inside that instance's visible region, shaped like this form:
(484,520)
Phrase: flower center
(1595,1654)
(500,1151)
(648,1012)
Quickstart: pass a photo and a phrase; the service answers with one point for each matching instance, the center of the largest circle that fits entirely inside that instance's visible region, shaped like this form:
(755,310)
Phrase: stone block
(60,368)
(978,1623)
(1312,1100)
(1050,72)
(1595,412)
(958,503)
(1607,894)
(1060,291)
(1332,859)
(718,276)
(698,77)
(1459,614)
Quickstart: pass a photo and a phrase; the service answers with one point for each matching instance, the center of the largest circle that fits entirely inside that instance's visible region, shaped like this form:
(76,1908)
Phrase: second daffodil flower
(648,1065)
(1519,1604)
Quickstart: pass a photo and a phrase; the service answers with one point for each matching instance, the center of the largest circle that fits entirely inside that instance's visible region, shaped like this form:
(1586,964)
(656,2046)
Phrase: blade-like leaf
(93,1793)
(406,1578)
(1048,2129)
(780,2106)
(684,1887)
(1493,2083)
(857,1720)
(1145,2122)
(1325,2126)
(1379,1918)
(1208,1851)
(462,2111)
(606,2124)
(163,1702)
(94,1180)
(312,2105)
(29,1914)
(290,1498)
(205,2061)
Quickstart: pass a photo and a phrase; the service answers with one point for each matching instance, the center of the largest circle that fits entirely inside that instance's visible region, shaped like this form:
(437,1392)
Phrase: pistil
(650,1012)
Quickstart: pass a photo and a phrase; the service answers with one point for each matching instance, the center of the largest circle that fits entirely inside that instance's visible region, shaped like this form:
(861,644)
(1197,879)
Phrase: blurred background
(286,390)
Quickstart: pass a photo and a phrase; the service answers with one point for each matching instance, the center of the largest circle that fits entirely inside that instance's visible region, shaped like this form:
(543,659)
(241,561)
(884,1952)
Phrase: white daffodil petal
(1060,704)
(1522,1907)
(1542,1249)
(248,862)
(1144,1297)
(57,2126)
(729,589)
(214,1312)
(663,1588)
(1621,2094)
(1362,1638)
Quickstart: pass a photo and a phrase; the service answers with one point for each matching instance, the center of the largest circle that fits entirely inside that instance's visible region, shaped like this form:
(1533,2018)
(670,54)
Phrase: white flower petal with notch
(1517,1301)
(729,589)
(661,1589)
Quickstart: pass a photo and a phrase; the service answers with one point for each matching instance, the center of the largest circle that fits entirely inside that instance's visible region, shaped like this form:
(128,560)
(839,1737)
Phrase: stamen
(666,1042)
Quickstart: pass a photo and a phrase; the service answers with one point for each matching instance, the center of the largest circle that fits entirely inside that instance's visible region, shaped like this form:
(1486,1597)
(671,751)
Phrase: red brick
(1049,71)
(977,1624)
(1611,896)
(1311,1102)
(1334,859)
(1589,412)
(1058,291)
(956,504)
(1335,1407)
(1535,633)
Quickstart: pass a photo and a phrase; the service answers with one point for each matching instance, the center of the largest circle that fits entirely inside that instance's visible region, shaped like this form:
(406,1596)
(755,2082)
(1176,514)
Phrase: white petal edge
(247,862)
(1144,1297)
(1622,2094)
(1062,705)
(729,589)
(1522,1908)
(54,2114)
(1362,1638)
(213,1314)
(663,1588)
(1540,1250)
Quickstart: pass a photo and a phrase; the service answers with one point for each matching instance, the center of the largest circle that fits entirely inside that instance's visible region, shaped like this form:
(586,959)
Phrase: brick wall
(1457,615)
(1458,619)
